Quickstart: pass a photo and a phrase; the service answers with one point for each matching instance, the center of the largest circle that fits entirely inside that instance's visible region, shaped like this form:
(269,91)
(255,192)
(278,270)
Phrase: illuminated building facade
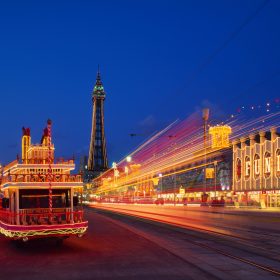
(189,185)
(235,166)
(256,169)
(184,183)
(97,158)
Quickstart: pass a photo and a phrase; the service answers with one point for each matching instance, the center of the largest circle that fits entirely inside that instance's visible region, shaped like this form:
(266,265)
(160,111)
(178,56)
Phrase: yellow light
(209,173)
(46,232)
(155,181)
(220,136)
(135,167)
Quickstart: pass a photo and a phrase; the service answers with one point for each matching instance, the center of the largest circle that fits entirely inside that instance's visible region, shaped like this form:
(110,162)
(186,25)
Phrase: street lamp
(128,158)
(126,170)
(174,158)
(205,117)
(116,172)
(160,176)
(215,171)
(126,173)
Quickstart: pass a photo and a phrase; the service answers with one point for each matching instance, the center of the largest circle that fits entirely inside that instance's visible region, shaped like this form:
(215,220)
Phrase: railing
(42,216)
(64,161)
(38,160)
(41,178)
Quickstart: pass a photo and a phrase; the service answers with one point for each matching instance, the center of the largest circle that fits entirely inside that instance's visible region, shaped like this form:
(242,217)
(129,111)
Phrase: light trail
(179,146)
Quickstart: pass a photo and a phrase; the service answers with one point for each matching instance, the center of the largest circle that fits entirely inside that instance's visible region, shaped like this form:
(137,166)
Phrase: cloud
(216,112)
(149,121)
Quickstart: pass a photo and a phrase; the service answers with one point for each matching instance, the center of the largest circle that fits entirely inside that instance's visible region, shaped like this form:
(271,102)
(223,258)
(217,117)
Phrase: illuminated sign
(267,164)
(155,181)
(182,190)
(247,167)
(238,169)
(255,168)
(220,136)
(209,173)
(278,162)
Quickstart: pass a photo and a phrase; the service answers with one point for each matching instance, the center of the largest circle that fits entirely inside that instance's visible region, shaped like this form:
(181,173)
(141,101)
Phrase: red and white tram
(40,198)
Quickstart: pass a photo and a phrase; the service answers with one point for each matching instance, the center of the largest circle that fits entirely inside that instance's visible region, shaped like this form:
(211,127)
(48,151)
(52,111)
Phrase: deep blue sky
(154,59)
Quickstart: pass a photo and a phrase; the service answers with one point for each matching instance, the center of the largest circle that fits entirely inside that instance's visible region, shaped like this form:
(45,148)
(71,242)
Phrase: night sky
(159,60)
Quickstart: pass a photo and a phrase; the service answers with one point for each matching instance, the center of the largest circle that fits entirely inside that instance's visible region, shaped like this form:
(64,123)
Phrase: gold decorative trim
(46,232)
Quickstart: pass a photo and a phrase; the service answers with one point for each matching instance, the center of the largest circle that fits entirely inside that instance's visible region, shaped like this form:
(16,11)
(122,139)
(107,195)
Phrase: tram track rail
(207,275)
(182,229)
(188,226)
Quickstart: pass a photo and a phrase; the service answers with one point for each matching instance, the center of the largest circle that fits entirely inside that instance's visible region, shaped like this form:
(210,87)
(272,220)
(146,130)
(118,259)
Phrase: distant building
(189,184)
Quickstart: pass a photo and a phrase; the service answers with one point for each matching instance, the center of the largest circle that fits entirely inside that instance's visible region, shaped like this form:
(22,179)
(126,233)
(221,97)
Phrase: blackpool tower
(97,158)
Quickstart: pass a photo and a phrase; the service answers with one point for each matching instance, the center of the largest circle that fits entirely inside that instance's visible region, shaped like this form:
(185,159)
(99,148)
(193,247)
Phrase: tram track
(221,232)
(208,275)
(182,229)
(257,232)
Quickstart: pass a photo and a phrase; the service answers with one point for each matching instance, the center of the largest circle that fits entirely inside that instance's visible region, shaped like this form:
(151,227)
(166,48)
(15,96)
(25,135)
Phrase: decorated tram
(39,195)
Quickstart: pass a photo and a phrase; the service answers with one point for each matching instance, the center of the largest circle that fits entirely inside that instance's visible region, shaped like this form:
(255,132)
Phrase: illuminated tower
(97,158)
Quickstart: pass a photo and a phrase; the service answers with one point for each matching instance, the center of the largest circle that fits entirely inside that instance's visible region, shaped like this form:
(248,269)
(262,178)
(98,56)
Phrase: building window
(238,169)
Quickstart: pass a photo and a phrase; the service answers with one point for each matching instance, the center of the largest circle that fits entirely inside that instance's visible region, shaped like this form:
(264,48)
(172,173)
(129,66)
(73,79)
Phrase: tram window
(75,200)
(5,202)
(30,199)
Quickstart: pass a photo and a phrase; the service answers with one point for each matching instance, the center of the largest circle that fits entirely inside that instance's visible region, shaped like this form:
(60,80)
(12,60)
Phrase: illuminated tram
(40,198)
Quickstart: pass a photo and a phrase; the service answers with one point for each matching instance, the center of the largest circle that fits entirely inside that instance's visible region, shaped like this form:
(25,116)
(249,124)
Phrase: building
(180,184)
(256,169)
(187,182)
(97,158)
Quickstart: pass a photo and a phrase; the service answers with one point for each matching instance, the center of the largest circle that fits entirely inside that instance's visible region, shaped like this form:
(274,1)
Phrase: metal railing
(40,178)
(42,216)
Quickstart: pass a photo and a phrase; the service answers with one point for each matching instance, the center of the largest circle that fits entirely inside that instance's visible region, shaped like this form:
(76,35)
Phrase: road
(121,247)
(251,224)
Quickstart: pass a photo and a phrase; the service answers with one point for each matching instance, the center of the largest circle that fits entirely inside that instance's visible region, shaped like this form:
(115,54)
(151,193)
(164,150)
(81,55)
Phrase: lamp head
(205,114)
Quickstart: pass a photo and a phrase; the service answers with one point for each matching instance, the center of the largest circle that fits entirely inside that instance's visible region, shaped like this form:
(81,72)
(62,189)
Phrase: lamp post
(160,177)
(174,186)
(174,191)
(205,117)
(114,165)
(126,172)
(215,171)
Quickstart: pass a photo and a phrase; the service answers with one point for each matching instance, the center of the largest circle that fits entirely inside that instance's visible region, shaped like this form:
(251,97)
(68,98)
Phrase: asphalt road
(118,247)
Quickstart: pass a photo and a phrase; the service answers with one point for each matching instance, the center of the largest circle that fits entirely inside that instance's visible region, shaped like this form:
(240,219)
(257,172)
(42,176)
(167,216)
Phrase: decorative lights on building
(220,136)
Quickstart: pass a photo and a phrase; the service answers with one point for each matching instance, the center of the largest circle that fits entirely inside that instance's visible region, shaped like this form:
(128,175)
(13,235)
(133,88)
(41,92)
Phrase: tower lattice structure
(97,158)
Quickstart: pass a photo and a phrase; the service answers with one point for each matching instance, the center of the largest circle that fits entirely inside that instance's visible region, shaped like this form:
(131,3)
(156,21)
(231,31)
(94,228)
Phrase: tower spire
(97,159)
(98,89)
